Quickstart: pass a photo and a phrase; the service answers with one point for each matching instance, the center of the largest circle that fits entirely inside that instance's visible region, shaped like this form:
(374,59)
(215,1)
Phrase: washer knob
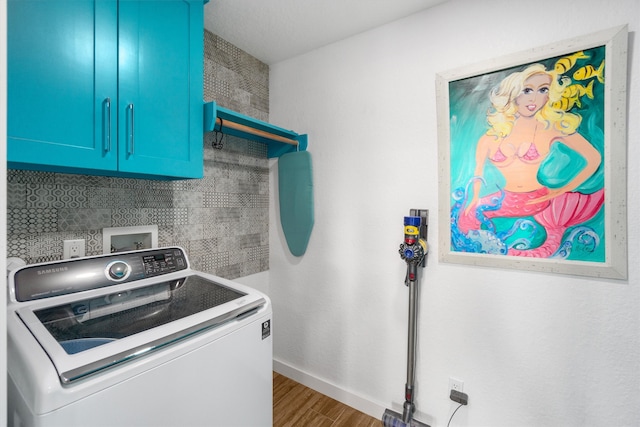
(118,270)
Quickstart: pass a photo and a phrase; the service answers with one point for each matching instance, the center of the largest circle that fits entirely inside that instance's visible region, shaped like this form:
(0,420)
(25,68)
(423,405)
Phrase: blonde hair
(502,116)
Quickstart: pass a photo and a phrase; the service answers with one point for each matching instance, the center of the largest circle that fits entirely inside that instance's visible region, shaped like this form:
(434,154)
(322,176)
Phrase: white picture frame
(456,154)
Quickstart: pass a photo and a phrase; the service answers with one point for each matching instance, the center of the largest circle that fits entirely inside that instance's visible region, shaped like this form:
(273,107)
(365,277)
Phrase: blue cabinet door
(160,87)
(62,84)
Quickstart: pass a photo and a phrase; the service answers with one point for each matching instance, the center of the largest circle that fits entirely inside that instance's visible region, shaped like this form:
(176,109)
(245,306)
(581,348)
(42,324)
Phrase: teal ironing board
(295,184)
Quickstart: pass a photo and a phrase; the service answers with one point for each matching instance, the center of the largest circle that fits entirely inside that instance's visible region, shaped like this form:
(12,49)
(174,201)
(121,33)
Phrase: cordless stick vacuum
(413,251)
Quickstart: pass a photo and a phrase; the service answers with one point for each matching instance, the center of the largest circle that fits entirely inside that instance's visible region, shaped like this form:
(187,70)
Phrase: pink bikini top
(531,154)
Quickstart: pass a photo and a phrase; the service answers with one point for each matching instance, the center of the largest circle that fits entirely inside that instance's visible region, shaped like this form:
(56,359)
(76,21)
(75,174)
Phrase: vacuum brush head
(394,419)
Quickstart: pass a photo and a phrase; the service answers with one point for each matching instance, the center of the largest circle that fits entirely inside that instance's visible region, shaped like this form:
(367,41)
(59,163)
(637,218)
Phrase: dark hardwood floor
(300,406)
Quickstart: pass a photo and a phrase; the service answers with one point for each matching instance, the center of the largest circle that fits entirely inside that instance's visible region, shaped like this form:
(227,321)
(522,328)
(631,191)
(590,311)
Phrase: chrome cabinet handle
(132,133)
(107,133)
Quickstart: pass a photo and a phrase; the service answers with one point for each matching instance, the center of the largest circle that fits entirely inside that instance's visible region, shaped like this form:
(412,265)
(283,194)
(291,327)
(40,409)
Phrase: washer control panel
(163,262)
(80,274)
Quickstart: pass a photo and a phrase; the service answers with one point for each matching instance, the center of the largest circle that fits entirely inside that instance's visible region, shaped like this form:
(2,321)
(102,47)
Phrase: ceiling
(275,30)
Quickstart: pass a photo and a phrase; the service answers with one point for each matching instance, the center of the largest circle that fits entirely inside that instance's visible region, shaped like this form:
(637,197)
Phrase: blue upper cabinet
(105,87)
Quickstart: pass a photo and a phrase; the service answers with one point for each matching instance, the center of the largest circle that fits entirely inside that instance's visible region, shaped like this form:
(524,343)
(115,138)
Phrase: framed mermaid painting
(532,158)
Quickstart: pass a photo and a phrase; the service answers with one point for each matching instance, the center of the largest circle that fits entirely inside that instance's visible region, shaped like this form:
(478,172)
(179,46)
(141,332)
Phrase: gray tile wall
(234,79)
(222,220)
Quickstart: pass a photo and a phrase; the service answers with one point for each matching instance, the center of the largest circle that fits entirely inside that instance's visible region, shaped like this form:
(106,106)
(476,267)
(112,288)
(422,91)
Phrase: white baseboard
(322,386)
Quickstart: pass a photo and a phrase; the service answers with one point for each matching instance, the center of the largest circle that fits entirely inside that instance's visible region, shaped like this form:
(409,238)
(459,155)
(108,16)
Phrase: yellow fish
(588,71)
(571,96)
(565,104)
(578,90)
(565,64)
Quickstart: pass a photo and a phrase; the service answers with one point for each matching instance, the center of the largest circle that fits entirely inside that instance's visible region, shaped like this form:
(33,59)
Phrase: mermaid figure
(527,135)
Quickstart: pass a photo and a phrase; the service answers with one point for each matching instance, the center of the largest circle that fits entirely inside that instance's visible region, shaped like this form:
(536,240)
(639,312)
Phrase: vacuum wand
(413,251)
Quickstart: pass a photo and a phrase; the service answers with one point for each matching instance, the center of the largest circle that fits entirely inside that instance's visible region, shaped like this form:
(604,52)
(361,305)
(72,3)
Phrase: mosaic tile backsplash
(221,220)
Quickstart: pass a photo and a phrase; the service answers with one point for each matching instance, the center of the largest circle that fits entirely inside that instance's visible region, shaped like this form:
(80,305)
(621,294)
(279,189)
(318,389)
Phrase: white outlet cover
(456,384)
(73,248)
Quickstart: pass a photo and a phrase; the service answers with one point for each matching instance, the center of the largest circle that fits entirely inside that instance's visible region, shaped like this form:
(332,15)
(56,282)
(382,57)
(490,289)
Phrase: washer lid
(85,336)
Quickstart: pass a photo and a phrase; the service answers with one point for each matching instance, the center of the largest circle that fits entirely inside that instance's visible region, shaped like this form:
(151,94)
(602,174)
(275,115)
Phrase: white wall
(533,349)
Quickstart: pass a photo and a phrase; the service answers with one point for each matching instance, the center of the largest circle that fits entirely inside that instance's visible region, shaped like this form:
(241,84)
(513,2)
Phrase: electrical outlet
(456,384)
(72,248)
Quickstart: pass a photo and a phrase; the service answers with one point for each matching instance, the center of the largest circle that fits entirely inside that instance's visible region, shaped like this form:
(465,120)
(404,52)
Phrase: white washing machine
(136,339)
